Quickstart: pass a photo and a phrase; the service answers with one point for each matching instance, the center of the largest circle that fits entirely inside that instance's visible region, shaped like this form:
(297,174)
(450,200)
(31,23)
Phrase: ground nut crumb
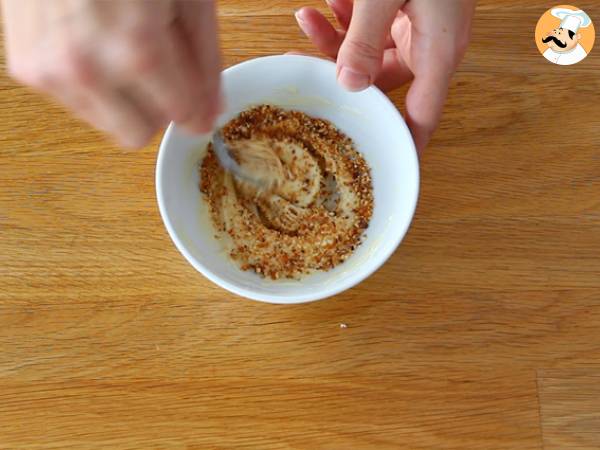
(314,219)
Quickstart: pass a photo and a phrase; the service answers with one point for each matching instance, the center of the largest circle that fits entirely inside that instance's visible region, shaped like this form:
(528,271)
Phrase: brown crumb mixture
(317,215)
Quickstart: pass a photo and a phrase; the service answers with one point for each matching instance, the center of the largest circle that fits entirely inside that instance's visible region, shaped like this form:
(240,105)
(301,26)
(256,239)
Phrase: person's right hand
(126,67)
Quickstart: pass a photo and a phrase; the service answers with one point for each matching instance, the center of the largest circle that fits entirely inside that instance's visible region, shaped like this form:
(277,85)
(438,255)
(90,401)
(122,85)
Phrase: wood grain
(569,407)
(298,412)
(481,332)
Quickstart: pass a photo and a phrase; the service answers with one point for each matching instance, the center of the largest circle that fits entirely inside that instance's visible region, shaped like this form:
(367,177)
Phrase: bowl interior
(309,85)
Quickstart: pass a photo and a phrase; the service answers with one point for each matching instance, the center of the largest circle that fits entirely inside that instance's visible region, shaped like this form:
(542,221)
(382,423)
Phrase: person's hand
(126,67)
(390,42)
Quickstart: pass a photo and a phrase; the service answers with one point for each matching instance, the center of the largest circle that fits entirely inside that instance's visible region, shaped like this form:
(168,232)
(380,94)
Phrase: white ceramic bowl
(309,85)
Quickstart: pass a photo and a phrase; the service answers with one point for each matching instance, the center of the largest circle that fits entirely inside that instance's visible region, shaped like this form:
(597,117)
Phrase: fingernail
(352,80)
(301,22)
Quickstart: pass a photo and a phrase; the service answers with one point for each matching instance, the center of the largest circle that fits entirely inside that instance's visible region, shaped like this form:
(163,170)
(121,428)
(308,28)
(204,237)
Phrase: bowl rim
(336,288)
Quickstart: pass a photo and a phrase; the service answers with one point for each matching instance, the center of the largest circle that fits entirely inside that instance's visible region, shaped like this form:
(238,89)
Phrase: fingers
(199,23)
(126,67)
(143,75)
(128,118)
(438,42)
(148,106)
(122,117)
(328,40)
(342,10)
(424,104)
(361,54)
(318,29)
(394,72)
(174,77)
(165,80)
(83,83)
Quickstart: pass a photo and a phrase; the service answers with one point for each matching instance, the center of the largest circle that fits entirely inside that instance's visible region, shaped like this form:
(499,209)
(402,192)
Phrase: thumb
(361,54)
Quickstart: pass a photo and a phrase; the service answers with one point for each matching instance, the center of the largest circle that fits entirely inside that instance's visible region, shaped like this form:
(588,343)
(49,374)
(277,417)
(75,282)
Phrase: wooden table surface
(481,332)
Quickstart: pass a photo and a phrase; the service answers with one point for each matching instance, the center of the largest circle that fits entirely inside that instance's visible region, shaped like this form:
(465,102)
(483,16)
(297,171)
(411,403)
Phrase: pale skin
(126,67)
(394,43)
(130,67)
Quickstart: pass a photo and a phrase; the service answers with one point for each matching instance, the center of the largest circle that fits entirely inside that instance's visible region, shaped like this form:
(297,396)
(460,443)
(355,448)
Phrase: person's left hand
(393,41)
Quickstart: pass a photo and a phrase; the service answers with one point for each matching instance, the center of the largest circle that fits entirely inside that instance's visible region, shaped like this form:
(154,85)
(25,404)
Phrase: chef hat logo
(565,35)
(571,20)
